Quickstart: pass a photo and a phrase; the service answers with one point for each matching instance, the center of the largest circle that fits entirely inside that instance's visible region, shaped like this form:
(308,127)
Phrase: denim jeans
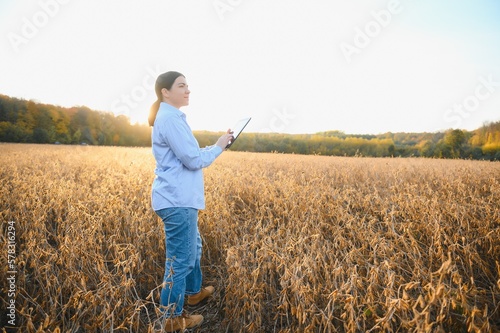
(183,253)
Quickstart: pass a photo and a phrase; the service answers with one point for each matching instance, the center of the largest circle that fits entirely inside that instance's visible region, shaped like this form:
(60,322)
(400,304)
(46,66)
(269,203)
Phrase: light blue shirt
(179,161)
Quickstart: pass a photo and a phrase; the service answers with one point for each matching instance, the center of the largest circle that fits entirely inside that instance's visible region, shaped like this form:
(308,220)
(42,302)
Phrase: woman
(177,195)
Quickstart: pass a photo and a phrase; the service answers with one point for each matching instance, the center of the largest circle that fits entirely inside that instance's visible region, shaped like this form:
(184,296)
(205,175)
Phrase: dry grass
(292,243)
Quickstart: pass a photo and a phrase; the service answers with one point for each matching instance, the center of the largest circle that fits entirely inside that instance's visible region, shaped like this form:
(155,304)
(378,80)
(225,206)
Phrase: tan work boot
(197,299)
(182,322)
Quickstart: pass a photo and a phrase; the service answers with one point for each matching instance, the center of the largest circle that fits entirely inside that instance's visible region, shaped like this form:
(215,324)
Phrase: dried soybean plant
(89,248)
(328,244)
(292,243)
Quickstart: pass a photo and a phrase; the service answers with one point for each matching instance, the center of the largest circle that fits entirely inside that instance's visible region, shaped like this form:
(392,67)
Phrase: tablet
(237,129)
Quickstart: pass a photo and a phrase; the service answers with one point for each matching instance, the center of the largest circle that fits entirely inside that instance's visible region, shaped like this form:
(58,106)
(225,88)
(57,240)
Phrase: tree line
(480,144)
(31,122)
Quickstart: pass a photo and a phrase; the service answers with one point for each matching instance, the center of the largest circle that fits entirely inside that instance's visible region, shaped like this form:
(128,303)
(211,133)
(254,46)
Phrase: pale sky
(294,66)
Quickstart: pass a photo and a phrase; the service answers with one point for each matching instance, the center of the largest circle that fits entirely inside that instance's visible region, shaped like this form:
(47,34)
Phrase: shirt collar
(169,108)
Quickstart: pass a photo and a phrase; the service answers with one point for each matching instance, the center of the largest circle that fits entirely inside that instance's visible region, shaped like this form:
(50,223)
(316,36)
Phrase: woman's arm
(181,140)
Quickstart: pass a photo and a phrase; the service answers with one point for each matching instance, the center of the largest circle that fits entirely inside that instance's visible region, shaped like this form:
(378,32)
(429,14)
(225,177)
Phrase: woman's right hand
(225,139)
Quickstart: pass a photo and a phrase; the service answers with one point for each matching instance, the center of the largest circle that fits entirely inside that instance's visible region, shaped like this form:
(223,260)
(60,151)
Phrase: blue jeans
(183,253)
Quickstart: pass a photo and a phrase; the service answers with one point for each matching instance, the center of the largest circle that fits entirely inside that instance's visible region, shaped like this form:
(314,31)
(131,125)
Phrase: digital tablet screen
(237,129)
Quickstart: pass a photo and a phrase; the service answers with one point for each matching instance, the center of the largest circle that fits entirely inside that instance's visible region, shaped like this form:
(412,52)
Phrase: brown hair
(165,80)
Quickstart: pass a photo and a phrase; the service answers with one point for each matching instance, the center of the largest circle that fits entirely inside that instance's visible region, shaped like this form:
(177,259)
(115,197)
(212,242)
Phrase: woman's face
(178,95)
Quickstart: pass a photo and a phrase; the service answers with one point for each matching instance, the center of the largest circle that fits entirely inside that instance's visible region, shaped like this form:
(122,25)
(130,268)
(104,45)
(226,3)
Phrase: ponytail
(165,80)
(153,111)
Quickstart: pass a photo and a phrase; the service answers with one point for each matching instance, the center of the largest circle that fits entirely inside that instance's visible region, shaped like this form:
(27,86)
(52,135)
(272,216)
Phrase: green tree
(455,139)
(41,135)
(77,136)
(12,133)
